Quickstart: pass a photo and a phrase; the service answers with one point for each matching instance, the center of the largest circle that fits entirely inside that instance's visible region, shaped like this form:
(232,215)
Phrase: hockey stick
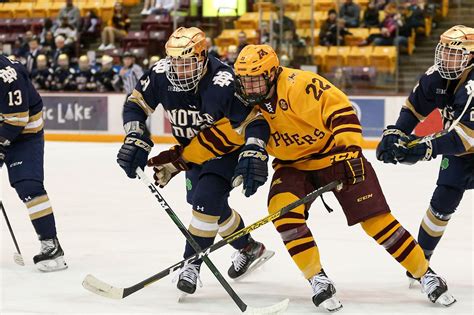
(99,287)
(147,182)
(17,257)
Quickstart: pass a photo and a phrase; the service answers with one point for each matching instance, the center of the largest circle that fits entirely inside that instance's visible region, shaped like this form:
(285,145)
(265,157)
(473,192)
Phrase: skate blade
(257,263)
(412,283)
(51,265)
(331,305)
(446,299)
(182,296)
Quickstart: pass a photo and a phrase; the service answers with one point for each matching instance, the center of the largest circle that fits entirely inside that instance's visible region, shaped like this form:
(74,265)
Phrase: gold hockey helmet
(41,62)
(84,64)
(256,69)
(63,61)
(186,55)
(454,52)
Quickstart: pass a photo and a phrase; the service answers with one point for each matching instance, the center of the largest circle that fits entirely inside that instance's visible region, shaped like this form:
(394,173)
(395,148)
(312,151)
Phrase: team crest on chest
(283,104)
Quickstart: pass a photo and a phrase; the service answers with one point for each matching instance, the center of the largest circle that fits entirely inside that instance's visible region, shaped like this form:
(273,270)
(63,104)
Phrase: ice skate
(188,278)
(324,292)
(436,288)
(51,256)
(248,259)
(412,281)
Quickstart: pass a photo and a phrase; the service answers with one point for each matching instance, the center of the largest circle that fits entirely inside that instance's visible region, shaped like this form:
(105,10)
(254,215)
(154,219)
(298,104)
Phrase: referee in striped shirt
(130,72)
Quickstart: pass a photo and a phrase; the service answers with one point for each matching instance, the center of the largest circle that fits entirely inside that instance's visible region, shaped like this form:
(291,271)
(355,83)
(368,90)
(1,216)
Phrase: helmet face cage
(253,89)
(184,73)
(451,62)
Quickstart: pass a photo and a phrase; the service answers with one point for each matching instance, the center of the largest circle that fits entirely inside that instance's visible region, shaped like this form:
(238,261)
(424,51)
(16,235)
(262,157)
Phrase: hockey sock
(203,228)
(431,230)
(296,235)
(42,217)
(229,222)
(398,242)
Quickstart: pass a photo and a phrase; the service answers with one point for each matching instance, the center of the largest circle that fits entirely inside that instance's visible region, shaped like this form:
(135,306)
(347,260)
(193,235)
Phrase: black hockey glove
(167,164)
(422,151)
(134,153)
(385,149)
(252,169)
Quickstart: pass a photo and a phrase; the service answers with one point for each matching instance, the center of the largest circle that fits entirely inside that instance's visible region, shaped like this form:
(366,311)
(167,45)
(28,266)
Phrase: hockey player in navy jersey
(22,152)
(449,87)
(197,93)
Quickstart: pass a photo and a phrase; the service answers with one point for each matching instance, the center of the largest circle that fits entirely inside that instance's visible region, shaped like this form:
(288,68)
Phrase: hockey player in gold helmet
(316,138)
(448,86)
(186,56)
(455,52)
(197,92)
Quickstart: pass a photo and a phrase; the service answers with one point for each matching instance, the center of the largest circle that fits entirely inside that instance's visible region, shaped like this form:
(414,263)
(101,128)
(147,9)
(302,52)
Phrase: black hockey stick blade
(102,288)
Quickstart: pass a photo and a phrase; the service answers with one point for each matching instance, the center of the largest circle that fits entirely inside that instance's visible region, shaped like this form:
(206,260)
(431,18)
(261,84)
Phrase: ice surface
(110,226)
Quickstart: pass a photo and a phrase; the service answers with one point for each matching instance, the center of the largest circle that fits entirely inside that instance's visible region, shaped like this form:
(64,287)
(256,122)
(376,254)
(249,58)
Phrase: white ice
(110,226)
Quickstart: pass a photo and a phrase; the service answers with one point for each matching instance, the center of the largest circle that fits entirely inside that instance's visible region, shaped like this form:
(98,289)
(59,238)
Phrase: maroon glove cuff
(173,156)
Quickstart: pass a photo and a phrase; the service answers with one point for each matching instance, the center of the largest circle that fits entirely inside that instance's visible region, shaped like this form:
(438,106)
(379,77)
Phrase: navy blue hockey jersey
(450,97)
(20,105)
(190,112)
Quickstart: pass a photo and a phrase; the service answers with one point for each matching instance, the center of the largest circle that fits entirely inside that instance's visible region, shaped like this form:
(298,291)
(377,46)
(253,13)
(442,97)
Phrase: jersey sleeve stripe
(467,136)
(205,145)
(16,119)
(213,139)
(137,98)
(328,121)
(350,119)
(223,135)
(348,128)
(408,105)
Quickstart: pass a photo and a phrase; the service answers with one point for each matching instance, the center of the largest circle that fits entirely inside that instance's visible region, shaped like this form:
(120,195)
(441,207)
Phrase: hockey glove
(422,151)
(167,164)
(350,172)
(134,153)
(385,150)
(252,169)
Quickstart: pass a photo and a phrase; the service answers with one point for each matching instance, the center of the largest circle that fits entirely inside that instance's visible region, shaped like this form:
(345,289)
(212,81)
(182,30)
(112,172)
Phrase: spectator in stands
(388,28)
(211,48)
(84,77)
(90,28)
(25,46)
(90,23)
(61,48)
(414,16)
(62,77)
(242,38)
(117,28)
(67,30)
(350,12)
(47,27)
(334,31)
(72,14)
(32,54)
(371,16)
(47,44)
(162,7)
(42,75)
(107,77)
(130,72)
(147,7)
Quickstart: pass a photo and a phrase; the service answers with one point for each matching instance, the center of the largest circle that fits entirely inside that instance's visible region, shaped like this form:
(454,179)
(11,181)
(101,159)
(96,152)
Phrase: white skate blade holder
(257,263)
(331,305)
(446,299)
(51,265)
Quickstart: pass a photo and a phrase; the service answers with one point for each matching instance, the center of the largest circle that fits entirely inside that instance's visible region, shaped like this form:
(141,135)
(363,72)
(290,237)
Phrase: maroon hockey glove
(167,164)
(350,171)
